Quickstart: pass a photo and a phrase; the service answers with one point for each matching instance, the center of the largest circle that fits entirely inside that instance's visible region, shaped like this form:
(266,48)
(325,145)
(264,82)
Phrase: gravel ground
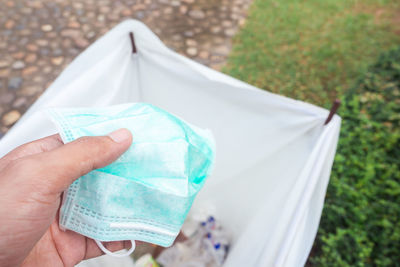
(38,39)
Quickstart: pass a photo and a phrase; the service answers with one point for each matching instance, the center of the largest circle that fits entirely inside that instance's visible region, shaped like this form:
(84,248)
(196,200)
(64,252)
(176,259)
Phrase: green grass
(312,50)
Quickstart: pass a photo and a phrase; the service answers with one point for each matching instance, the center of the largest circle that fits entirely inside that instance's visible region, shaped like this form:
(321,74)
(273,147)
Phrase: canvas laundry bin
(274,154)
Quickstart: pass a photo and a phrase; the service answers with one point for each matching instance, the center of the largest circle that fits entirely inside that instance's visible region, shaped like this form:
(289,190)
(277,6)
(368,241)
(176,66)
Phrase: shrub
(360,225)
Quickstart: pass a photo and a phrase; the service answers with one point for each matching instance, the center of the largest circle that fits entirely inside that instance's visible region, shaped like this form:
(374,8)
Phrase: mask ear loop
(119,255)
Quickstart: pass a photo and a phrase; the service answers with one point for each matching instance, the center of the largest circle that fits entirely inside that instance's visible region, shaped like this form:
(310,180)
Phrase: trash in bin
(146,261)
(274,153)
(208,246)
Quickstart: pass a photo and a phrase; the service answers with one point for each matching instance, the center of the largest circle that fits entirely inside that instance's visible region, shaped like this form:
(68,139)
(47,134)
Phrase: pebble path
(39,38)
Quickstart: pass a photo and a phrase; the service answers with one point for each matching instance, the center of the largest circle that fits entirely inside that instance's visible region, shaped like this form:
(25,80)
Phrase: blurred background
(39,38)
(313,51)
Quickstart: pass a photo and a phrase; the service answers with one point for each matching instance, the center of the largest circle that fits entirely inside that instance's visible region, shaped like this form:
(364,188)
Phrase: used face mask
(146,194)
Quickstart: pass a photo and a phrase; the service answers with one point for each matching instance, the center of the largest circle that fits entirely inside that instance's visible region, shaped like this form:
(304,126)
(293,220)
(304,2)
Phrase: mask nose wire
(114,254)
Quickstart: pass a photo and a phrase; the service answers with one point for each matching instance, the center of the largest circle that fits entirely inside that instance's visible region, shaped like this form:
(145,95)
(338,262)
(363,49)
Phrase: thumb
(75,159)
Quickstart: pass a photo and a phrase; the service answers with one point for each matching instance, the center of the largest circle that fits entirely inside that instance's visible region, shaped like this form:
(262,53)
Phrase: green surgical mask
(145,194)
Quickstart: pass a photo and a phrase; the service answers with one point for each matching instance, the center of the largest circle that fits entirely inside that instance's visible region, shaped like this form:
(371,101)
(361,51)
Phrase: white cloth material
(274,155)
(108,261)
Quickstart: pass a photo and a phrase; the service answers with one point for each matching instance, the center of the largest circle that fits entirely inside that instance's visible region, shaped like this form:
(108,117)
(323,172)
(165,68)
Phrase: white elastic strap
(119,255)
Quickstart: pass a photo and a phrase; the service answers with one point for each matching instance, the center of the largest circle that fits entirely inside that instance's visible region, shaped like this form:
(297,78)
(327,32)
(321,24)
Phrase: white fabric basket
(274,154)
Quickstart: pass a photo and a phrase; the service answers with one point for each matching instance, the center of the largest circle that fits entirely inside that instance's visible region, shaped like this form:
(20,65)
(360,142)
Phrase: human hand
(32,180)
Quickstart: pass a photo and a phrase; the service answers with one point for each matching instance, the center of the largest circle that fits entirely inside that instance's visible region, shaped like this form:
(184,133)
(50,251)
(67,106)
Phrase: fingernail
(120,135)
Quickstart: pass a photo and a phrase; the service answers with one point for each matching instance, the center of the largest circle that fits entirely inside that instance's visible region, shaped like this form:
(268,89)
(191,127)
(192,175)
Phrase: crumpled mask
(145,194)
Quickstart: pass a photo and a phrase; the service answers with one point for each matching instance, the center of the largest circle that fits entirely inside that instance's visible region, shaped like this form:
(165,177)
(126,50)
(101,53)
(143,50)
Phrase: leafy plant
(360,225)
